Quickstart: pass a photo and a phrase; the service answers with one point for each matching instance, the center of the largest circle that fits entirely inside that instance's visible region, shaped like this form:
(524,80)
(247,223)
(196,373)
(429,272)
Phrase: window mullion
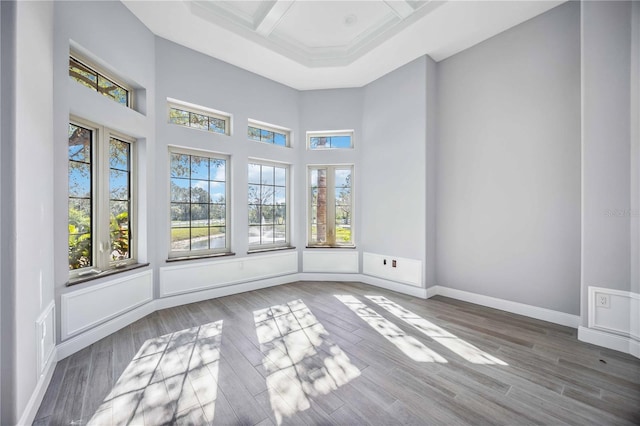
(102,195)
(331,206)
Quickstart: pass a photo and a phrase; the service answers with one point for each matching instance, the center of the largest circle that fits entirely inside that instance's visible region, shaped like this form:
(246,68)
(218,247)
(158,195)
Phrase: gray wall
(7,213)
(127,50)
(393,168)
(508,185)
(190,76)
(606,147)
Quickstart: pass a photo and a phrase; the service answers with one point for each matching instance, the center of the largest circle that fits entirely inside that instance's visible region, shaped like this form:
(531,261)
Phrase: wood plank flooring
(341,353)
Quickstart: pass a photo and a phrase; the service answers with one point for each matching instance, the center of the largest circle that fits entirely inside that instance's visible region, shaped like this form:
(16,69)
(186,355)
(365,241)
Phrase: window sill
(106,273)
(331,247)
(204,256)
(265,250)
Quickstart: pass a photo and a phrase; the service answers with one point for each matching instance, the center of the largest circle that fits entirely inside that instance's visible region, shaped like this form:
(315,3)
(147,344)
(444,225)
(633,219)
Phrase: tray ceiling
(310,44)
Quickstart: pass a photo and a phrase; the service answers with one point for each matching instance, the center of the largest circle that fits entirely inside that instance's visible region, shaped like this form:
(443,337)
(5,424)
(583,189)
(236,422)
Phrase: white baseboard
(81,341)
(609,340)
(395,286)
(197,296)
(30,411)
(536,312)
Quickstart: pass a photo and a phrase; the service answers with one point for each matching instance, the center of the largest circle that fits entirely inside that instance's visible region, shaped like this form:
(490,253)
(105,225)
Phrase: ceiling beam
(270,20)
(402,9)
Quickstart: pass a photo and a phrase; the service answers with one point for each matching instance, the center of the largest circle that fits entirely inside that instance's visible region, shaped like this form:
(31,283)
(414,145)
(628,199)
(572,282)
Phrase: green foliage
(119,230)
(79,239)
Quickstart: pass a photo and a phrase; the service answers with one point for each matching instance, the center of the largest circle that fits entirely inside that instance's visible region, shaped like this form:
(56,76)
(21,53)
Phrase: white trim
(329,133)
(86,338)
(44,359)
(591,309)
(536,312)
(609,340)
(30,411)
(64,300)
(190,266)
(409,289)
(179,299)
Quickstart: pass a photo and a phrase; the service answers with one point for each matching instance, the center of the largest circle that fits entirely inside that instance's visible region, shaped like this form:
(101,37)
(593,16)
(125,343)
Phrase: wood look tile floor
(344,354)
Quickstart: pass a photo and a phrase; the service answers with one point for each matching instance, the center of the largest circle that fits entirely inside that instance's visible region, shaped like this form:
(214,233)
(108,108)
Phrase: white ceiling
(311,44)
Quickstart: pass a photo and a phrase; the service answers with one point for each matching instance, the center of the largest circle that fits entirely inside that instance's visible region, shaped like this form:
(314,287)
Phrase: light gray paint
(189,76)
(7,212)
(431,172)
(339,109)
(508,186)
(606,147)
(635,147)
(31,237)
(393,163)
(128,50)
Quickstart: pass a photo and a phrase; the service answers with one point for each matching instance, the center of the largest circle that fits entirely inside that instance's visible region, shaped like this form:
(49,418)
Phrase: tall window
(267,197)
(330,206)
(101,199)
(338,139)
(89,77)
(199,203)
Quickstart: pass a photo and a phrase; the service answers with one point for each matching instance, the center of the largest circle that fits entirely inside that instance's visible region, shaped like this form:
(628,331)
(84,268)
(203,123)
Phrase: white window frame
(329,133)
(106,74)
(331,205)
(202,110)
(287,243)
(194,254)
(270,128)
(101,215)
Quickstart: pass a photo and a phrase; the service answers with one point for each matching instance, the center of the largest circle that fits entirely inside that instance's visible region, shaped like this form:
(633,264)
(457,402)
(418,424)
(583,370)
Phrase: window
(199,203)
(101,199)
(197,117)
(267,133)
(338,139)
(330,206)
(267,197)
(89,77)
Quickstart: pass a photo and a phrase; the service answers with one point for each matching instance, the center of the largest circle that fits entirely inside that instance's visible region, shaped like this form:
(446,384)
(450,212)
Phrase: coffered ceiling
(310,44)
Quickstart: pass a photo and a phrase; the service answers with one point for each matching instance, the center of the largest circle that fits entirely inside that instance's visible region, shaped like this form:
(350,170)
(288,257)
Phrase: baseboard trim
(86,338)
(200,295)
(411,290)
(609,341)
(30,411)
(536,312)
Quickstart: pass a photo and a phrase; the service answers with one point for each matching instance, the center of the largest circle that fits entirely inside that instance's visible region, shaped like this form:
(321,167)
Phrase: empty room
(300,212)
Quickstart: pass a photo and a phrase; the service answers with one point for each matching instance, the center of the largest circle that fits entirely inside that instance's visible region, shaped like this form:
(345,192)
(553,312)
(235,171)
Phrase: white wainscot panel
(46,328)
(327,260)
(86,308)
(407,271)
(614,311)
(217,273)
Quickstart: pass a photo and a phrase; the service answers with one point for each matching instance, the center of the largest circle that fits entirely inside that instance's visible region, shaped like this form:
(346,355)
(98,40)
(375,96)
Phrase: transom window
(199,203)
(330,206)
(88,76)
(268,205)
(201,118)
(267,133)
(101,199)
(339,139)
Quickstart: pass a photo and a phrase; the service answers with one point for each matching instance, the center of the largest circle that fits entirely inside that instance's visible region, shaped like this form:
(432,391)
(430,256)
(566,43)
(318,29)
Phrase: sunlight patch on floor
(407,344)
(440,335)
(300,359)
(173,378)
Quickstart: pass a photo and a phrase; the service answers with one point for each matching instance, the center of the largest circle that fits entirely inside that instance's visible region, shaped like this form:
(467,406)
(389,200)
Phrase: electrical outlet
(602,300)
(393,263)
